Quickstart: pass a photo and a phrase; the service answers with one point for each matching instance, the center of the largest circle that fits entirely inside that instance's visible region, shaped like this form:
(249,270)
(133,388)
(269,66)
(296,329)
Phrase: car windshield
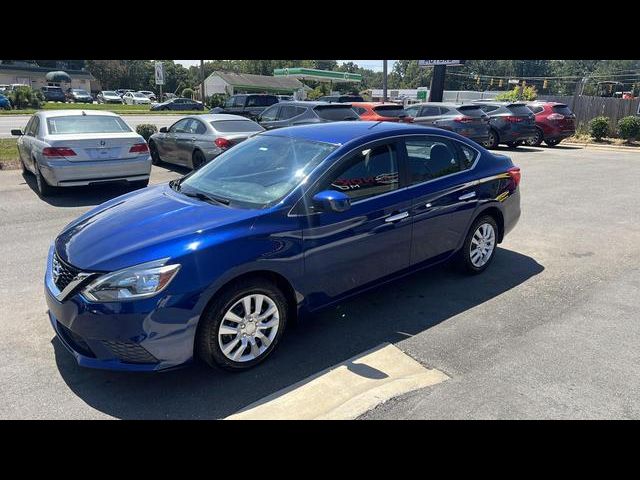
(108,92)
(86,124)
(81,92)
(259,171)
(236,126)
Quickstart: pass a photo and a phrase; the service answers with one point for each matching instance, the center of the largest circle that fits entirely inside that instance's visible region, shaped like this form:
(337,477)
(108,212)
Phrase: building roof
(17,70)
(259,81)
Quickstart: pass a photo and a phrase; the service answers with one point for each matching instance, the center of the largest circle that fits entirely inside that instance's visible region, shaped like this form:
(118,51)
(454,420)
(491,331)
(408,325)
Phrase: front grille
(129,352)
(75,341)
(63,273)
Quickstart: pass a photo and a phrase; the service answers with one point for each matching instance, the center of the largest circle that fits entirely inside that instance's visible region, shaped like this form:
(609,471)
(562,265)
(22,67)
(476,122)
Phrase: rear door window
(474,112)
(289,111)
(430,157)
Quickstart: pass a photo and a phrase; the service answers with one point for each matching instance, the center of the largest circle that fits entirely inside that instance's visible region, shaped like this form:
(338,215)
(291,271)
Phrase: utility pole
(384,80)
(202,81)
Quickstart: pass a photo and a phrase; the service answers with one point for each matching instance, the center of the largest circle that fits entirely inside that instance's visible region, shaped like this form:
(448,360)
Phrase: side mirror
(333,200)
(17,132)
(163,130)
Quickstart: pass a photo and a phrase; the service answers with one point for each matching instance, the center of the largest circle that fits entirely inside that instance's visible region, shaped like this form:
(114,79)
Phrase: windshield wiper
(206,197)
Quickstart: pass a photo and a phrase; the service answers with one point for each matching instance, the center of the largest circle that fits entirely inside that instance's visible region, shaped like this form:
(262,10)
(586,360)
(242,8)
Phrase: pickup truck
(247,105)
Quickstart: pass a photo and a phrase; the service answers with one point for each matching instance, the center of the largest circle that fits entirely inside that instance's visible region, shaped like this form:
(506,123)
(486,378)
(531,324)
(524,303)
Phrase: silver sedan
(195,140)
(65,148)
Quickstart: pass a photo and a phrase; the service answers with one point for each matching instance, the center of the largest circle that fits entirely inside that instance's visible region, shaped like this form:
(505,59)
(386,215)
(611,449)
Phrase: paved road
(9,122)
(549,331)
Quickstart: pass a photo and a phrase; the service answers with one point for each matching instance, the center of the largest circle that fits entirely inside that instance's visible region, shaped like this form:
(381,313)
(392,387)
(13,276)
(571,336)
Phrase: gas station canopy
(318,75)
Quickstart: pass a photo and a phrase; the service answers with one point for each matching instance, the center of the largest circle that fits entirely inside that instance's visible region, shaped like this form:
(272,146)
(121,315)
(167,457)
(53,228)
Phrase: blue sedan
(216,264)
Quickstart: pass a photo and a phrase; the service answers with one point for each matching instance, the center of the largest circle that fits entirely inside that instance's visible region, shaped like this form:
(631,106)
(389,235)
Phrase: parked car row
(489,123)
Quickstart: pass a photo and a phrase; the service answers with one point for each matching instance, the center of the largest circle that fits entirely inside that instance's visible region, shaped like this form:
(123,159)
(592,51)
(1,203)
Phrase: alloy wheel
(248,328)
(482,245)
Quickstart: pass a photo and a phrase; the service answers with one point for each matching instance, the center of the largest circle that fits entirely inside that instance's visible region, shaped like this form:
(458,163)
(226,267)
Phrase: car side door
(168,147)
(443,192)
(428,115)
(23,141)
(347,251)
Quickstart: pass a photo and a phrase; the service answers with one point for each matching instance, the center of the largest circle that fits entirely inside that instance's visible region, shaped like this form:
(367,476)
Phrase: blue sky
(375,65)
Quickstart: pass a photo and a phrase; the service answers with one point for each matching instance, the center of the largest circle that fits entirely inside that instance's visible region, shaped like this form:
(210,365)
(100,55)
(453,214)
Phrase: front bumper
(63,173)
(145,335)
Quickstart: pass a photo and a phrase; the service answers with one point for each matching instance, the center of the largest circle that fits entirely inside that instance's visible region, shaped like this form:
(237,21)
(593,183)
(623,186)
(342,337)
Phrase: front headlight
(139,281)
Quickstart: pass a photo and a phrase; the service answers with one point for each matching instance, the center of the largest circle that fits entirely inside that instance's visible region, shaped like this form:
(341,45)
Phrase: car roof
(374,104)
(71,112)
(305,103)
(216,117)
(340,133)
(441,104)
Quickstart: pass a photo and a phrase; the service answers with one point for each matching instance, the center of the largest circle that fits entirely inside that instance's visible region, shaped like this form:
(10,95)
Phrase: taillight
(222,143)
(58,152)
(555,117)
(463,119)
(139,148)
(514,173)
(514,119)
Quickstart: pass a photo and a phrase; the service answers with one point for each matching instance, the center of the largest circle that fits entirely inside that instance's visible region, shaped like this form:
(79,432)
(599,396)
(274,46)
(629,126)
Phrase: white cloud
(375,65)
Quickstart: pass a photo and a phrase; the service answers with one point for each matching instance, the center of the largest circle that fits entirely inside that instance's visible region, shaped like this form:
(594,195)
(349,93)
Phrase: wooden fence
(587,108)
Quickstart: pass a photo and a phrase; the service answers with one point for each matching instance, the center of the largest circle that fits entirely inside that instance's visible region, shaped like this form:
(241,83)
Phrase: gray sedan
(193,141)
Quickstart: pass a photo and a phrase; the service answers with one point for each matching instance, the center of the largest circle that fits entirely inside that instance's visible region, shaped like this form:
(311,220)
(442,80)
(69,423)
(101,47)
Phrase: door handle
(397,217)
(467,196)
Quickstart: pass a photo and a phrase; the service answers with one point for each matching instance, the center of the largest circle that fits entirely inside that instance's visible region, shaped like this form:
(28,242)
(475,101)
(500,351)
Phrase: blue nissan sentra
(214,265)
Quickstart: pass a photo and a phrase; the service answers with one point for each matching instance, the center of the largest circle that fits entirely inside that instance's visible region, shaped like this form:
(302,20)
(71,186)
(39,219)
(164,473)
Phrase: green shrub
(26,97)
(187,93)
(599,128)
(629,128)
(529,93)
(146,130)
(216,100)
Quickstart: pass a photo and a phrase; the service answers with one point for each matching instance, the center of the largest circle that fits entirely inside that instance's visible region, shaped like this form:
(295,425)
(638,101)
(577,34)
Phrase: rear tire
(493,139)
(482,237)
(514,144)
(155,155)
(242,342)
(198,160)
(44,189)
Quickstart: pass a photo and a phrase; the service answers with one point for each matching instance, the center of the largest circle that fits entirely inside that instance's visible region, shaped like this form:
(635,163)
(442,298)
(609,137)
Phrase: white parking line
(346,390)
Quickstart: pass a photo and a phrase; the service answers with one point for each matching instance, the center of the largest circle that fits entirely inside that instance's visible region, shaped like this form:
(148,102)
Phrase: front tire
(242,326)
(513,144)
(479,245)
(537,140)
(198,160)
(552,143)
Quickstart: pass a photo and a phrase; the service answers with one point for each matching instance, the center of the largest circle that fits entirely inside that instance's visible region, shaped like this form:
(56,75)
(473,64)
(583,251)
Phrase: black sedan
(178,104)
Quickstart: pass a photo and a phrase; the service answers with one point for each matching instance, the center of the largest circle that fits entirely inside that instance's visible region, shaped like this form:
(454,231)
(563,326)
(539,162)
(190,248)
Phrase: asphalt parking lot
(9,122)
(549,331)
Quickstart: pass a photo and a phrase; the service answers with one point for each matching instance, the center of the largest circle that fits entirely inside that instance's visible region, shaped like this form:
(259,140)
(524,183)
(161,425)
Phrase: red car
(554,122)
(381,112)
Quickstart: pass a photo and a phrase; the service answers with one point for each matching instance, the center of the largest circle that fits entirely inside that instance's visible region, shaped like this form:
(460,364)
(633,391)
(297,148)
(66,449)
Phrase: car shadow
(81,196)
(520,148)
(564,147)
(391,313)
(175,168)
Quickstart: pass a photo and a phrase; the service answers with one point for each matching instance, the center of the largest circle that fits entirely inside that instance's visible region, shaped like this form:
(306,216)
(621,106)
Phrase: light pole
(384,80)
(202,81)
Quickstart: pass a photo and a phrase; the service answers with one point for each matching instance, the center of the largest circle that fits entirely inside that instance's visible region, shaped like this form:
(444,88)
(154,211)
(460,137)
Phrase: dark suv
(247,105)
(53,94)
(467,120)
(511,123)
(287,114)
(341,98)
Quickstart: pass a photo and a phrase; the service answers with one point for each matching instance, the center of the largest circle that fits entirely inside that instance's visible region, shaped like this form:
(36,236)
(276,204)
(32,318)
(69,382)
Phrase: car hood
(145,225)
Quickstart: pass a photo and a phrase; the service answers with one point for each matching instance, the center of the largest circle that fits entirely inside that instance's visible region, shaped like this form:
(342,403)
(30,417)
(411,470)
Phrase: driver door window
(366,173)
(270,114)
(180,126)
